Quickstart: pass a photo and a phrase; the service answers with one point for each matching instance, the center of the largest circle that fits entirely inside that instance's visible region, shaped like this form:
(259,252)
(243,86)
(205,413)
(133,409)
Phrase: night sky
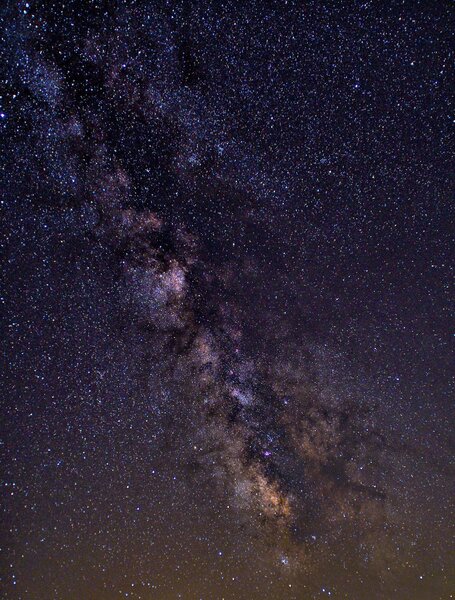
(227,271)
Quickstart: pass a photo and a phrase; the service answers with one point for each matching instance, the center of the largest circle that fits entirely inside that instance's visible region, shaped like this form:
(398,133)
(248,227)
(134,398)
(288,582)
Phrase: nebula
(228,377)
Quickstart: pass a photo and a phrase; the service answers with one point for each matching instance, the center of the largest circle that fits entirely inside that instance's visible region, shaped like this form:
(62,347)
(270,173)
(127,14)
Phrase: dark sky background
(228,273)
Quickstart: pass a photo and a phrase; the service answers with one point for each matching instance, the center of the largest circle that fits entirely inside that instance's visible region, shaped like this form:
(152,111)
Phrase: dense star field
(228,266)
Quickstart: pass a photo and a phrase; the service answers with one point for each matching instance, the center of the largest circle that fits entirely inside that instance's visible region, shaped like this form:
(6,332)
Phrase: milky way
(228,273)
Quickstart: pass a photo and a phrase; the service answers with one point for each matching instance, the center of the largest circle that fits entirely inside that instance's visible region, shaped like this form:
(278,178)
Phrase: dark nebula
(228,266)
